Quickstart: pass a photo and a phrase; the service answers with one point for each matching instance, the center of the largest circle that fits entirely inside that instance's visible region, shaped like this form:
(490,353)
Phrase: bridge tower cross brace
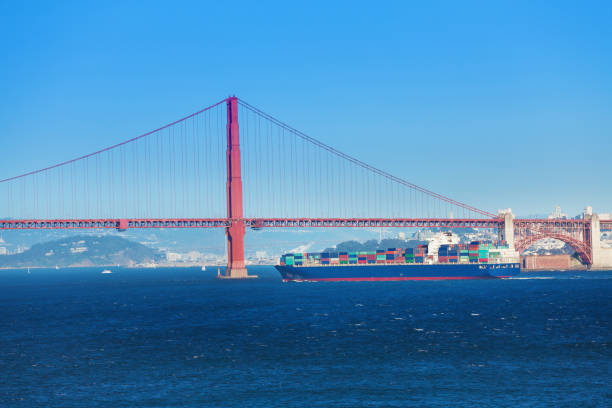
(236,230)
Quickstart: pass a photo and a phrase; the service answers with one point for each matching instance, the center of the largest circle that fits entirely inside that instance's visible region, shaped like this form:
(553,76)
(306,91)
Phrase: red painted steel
(111,223)
(123,224)
(576,233)
(235,232)
(374,222)
(250,222)
(582,249)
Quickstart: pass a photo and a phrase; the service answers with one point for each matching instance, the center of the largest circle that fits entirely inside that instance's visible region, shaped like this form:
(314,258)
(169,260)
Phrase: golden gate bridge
(206,171)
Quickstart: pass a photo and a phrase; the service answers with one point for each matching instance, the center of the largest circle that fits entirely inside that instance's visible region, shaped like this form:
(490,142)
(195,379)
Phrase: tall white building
(557,214)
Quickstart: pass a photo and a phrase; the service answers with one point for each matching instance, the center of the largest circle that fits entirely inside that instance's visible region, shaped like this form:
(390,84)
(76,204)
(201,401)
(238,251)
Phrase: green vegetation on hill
(83,251)
(373,245)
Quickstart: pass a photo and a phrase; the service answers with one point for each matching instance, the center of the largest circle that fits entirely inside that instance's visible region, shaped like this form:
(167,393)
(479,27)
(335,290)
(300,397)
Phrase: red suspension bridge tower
(236,229)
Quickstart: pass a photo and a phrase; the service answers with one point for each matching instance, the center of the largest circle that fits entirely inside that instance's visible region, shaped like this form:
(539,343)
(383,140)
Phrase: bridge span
(206,171)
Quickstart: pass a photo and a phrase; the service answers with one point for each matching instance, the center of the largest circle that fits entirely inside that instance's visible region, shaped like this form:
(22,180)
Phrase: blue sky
(497,104)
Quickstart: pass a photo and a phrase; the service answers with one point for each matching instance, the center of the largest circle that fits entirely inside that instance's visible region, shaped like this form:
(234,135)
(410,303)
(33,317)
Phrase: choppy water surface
(179,337)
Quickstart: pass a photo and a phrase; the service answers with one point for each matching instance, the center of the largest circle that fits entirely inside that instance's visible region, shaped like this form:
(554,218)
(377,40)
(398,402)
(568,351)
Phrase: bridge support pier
(236,268)
(235,252)
(595,240)
(507,234)
(600,257)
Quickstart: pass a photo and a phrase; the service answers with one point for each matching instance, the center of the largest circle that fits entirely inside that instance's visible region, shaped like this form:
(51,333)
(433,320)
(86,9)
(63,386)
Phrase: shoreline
(583,269)
(123,266)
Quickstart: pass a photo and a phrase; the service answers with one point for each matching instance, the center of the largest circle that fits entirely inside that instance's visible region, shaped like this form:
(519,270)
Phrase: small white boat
(203,268)
(106,271)
(56,267)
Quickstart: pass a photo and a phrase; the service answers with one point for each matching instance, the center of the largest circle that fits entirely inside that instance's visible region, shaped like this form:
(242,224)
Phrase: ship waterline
(397,272)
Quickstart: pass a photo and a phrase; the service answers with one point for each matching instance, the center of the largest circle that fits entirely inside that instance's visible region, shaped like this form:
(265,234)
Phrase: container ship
(442,258)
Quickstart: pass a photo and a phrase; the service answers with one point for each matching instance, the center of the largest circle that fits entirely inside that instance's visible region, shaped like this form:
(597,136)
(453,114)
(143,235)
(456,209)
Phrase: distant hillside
(82,251)
(373,245)
(541,248)
(544,247)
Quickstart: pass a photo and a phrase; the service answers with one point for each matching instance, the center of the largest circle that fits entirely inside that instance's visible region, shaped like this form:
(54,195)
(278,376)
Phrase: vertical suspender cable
(196,160)
(183,166)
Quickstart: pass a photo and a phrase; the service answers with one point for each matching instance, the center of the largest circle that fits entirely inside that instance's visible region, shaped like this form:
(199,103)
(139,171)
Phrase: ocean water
(179,338)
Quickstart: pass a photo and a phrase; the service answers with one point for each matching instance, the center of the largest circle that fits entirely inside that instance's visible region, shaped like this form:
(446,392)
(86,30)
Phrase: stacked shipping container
(474,252)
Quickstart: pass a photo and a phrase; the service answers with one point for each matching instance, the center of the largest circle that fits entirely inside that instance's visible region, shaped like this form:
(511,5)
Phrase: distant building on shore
(557,214)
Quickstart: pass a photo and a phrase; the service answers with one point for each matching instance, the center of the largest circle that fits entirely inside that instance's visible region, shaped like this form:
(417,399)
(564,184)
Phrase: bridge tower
(507,233)
(601,257)
(236,230)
